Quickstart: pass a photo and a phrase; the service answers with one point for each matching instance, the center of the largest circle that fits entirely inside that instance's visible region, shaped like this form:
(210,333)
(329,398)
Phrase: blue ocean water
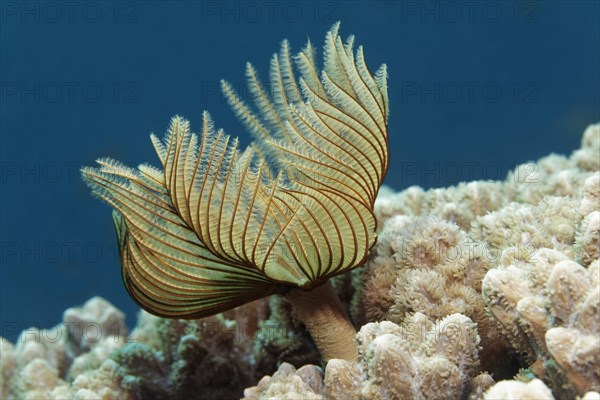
(474,88)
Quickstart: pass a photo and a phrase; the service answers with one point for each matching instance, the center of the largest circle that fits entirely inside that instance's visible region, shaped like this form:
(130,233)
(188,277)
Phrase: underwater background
(474,88)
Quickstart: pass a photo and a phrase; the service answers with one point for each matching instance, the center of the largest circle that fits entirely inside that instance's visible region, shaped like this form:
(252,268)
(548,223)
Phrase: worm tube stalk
(322,313)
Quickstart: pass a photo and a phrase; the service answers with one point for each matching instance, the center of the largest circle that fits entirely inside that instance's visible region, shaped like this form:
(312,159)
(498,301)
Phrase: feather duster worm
(217,227)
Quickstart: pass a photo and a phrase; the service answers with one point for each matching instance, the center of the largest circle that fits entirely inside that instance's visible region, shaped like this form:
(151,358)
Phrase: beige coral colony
(484,290)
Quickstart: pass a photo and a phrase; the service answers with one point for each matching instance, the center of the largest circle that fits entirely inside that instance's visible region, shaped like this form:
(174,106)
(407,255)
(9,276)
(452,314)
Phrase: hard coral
(587,158)
(514,390)
(287,383)
(177,359)
(420,359)
(96,319)
(68,360)
(548,308)
(540,205)
(159,359)
(429,265)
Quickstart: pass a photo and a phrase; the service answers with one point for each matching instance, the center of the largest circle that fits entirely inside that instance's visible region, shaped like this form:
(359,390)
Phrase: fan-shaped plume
(217,227)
